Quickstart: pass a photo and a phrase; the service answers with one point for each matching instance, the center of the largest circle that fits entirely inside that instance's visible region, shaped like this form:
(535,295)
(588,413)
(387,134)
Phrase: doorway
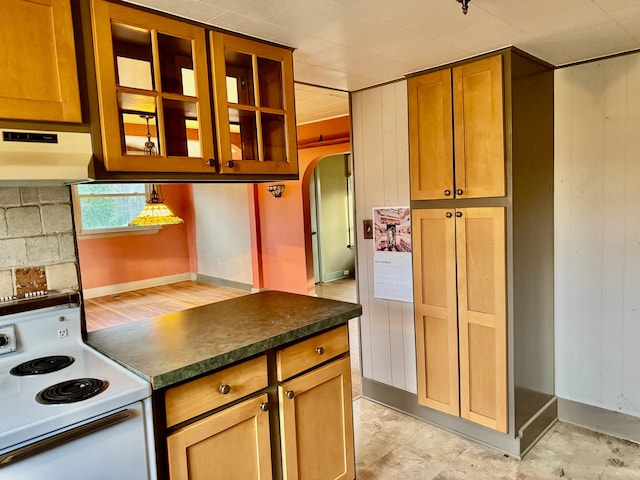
(332,214)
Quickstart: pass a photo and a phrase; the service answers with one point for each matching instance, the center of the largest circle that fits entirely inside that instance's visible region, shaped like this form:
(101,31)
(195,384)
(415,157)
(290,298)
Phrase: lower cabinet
(317,424)
(226,425)
(231,444)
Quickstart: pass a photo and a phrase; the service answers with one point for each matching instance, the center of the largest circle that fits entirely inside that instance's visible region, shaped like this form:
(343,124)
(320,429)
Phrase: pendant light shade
(155,212)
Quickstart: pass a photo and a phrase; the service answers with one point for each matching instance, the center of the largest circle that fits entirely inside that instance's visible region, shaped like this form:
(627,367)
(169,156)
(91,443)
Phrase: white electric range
(67,412)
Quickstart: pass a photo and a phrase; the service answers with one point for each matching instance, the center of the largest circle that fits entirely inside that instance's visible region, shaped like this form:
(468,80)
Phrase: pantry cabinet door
(479,129)
(39,78)
(431,135)
(480,237)
(435,304)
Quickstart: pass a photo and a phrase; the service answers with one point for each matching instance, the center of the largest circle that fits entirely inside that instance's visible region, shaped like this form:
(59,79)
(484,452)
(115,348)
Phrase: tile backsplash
(36,235)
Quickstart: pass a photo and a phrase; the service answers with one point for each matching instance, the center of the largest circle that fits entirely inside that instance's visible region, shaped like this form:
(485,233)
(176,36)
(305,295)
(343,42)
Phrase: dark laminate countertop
(171,348)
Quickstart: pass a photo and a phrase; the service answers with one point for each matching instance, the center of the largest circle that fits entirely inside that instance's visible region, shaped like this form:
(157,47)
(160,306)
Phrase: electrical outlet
(345,272)
(63,332)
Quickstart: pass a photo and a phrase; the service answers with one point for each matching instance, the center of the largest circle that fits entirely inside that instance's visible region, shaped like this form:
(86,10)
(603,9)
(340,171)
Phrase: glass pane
(270,77)
(176,65)
(239,69)
(273,139)
(133,56)
(181,127)
(244,142)
(106,188)
(110,212)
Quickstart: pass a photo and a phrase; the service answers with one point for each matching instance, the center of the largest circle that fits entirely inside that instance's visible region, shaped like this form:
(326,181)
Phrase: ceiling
(352,44)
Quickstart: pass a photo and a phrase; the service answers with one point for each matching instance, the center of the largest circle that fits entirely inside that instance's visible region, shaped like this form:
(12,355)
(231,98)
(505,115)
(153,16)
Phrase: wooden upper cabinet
(254,106)
(479,129)
(153,91)
(431,135)
(456,132)
(39,78)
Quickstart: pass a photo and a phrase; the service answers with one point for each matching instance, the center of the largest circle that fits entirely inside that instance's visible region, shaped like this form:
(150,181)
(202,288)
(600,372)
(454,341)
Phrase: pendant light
(155,212)
(465,5)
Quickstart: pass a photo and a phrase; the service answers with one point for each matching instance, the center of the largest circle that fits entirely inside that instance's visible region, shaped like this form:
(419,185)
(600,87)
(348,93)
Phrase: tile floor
(391,445)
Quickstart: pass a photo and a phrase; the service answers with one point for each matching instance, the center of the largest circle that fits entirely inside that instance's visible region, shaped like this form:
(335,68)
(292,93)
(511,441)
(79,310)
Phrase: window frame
(81,233)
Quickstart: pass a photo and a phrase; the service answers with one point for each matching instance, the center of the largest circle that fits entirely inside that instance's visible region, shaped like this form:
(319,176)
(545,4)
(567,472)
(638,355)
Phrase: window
(108,208)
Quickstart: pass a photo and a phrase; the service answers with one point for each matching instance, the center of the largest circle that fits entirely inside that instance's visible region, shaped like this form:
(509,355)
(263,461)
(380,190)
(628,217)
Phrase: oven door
(112,446)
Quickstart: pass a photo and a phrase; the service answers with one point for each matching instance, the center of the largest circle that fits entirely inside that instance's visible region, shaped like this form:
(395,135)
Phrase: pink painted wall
(171,251)
(284,223)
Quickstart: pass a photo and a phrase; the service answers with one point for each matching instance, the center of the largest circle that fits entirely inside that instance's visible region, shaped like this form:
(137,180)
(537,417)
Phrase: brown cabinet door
(479,129)
(39,79)
(153,91)
(317,424)
(231,445)
(480,238)
(435,304)
(254,106)
(431,135)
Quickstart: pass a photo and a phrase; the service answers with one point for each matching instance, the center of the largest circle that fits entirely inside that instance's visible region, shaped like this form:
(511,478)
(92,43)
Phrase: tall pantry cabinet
(481,158)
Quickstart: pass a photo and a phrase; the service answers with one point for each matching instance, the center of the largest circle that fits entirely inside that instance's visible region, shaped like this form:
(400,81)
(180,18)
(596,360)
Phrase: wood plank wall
(597,233)
(381,170)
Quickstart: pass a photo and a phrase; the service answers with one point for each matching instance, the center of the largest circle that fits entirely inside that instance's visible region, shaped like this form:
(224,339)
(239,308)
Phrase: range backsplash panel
(36,236)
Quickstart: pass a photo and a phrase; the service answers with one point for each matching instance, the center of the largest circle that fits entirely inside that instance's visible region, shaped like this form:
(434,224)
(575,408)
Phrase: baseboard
(514,446)
(598,419)
(222,282)
(331,276)
(137,285)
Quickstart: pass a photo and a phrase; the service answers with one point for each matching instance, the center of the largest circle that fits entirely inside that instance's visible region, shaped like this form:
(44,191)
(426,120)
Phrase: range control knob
(4,340)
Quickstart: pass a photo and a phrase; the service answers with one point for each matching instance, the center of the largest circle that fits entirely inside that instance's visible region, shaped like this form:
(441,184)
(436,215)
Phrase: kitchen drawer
(307,354)
(215,390)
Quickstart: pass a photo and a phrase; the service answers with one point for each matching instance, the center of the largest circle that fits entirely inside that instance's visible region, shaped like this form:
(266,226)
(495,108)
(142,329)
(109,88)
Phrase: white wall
(222,231)
(597,233)
(381,169)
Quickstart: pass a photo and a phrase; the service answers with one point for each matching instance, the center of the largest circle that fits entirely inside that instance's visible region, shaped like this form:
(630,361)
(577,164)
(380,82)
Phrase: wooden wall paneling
(613,223)
(630,396)
(363,246)
(597,233)
(562,238)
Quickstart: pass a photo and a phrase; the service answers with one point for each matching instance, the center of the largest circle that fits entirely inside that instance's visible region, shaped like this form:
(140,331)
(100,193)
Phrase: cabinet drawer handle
(458,214)
(289,394)
(229,163)
(320,350)
(459,191)
(449,214)
(447,193)
(264,406)
(224,389)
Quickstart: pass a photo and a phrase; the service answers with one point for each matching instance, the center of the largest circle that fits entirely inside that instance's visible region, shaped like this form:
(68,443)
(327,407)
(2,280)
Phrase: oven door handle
(61,438)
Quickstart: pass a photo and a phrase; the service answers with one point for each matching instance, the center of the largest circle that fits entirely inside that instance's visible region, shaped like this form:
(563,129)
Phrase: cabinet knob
(447,193)
(264,406)
(213,163)
(229,163)
(458,214)
(449,214)
(224,389)
(320,350)
(289,394)
(459,191)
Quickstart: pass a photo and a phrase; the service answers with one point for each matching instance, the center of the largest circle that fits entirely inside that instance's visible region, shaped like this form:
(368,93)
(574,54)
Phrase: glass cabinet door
(153,91)
(255,109)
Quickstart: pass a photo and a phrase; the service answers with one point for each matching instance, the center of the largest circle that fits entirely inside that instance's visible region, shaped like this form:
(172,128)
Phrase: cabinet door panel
(434,267)
(231,445)
(39,78)
(480,238)
(430,135)
(479,129)
(317,424)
